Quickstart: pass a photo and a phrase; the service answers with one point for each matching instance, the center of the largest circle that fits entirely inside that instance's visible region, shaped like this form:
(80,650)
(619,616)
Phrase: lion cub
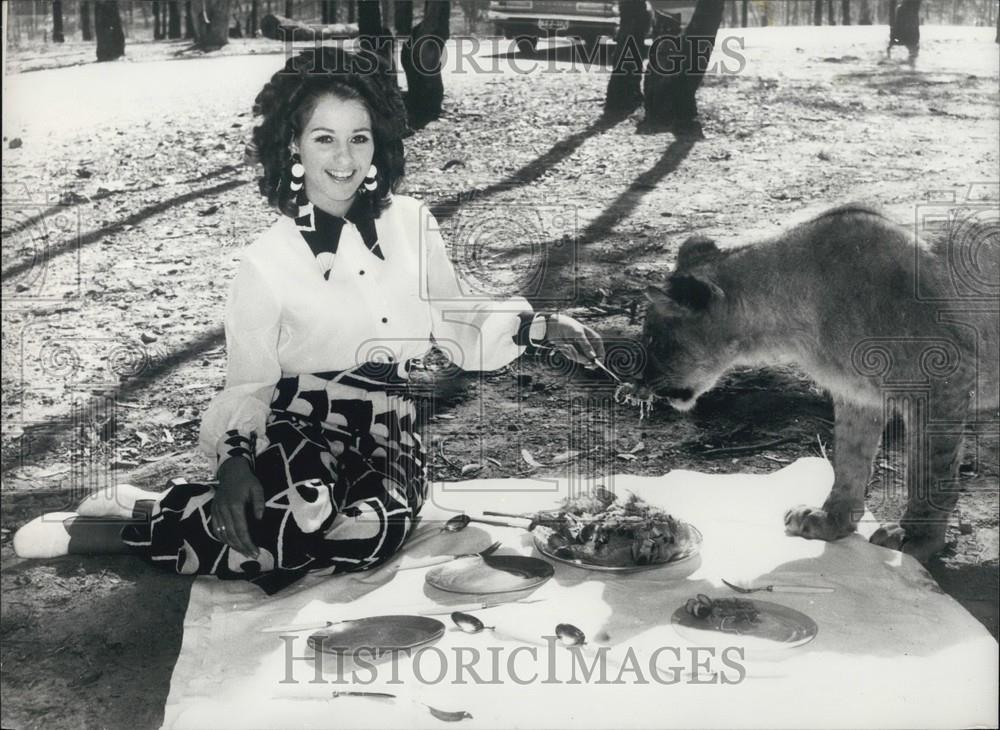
(884,323)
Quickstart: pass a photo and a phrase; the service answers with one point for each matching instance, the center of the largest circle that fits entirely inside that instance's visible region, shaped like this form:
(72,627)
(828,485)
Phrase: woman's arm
(491,332)
(233,429)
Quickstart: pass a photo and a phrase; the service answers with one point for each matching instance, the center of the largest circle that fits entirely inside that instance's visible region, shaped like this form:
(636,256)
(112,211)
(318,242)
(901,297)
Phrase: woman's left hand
(576,341)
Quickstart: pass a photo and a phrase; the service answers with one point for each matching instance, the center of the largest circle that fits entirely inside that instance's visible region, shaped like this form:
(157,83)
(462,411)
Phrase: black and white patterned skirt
(343,478)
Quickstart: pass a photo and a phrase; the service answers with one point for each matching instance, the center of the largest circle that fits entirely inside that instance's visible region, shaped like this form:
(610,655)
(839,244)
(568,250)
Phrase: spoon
(570,635)
(443,715)
(469,623)
(460,522)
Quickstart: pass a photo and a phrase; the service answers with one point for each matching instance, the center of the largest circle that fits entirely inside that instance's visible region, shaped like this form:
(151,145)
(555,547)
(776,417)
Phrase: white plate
(493,574)
(779,626)
(692,552)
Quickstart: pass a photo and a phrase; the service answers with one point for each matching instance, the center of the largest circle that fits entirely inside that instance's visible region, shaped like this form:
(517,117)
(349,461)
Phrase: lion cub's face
(686,333)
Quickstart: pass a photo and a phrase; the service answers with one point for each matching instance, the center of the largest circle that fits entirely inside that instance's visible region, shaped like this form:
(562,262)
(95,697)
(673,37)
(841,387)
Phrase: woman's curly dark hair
(288,100)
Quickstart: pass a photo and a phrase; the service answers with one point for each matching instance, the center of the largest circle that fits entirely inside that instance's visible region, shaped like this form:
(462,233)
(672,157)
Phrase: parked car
(528,20)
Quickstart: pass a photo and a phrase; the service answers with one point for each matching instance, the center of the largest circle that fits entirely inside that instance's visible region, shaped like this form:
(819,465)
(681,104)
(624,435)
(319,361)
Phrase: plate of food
(598,531)
(490,574)
(376,634)
(766,623)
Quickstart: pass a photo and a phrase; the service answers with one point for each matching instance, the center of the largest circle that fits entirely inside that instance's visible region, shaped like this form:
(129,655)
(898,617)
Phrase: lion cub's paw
(895,537)
(890,535)
(813,524)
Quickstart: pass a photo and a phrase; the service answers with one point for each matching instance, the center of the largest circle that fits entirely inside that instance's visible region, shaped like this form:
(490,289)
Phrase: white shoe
(44,537)
(116,501)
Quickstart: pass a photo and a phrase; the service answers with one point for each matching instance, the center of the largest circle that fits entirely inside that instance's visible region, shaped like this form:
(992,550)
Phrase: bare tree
(211,24)
(845,12)
(85,27)
(677,66)
(818,12)
(372,34)
(254,18)
(830,17)
(625,84)
(865,17)
(57,22)
(421,61)
(402,17)
(108,27)
(158,33)
(173,19)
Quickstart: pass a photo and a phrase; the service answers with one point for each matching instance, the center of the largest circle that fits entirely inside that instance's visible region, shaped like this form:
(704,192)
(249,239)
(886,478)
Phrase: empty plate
(493,574)
(376,634)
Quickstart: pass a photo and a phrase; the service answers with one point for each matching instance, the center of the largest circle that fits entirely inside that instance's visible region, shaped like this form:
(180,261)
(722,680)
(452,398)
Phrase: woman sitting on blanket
(319,463)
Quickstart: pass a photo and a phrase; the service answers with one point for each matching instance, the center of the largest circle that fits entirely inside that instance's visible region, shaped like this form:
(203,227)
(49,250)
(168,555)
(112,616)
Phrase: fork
(777,588)
(428,562)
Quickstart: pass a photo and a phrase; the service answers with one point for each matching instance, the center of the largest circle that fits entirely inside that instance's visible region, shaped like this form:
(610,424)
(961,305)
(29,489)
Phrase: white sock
(115,501)
(45,536)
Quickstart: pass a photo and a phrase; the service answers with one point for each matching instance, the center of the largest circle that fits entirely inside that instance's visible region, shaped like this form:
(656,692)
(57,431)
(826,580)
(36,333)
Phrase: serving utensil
(429,562)
(780,588)
(415,610)
(460,522)
(444,715)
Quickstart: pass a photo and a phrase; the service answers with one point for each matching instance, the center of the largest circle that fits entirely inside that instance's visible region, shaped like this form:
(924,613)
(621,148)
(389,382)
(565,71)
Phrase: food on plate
(725,614)
(598,529)
(625,393)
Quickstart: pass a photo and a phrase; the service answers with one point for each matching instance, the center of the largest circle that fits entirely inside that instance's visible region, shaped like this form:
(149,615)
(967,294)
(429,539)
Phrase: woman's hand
(576,341)
(238,487)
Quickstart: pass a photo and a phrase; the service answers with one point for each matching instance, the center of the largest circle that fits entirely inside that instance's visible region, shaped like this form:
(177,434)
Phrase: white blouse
(283,318)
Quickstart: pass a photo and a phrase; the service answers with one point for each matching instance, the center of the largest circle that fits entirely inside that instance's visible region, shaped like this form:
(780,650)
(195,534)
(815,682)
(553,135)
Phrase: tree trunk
(351,11)
(669,93)
(254,18)
(211,24)
(904,26)
(157,24)
(374,36)
(188,20)
(625,84)
(818,12)
(57,22)
(85,27)
(845,12)
(328,11)
(402,17)
(865,17)
(289,9)
(765,19)
(830,17)
(421,60)
(745,16)
(108,26)
(280,28)
(173,19)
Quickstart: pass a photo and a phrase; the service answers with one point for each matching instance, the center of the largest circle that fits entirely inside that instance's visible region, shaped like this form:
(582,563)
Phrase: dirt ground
(125,205)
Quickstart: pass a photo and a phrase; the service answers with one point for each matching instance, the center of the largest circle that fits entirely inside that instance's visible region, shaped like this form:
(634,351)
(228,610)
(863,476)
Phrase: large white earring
(370,181)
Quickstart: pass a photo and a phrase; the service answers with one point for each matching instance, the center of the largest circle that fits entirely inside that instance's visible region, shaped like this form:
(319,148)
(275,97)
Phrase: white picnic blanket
(892,650)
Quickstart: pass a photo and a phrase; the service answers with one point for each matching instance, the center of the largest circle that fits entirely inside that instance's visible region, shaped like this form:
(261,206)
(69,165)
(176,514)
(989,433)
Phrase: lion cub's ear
(659,297)
(684,294)
(694,250)
(693,292)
